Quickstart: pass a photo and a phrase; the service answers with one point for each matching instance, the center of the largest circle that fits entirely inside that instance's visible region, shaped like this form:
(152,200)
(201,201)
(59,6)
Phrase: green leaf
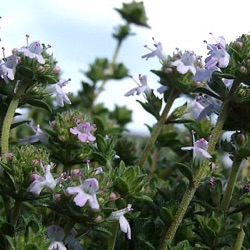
(16,124)
(134,12)
(121,186)
(244,152)
(40,104)
(206,91)
(185,171)
(143,197)
(178,112)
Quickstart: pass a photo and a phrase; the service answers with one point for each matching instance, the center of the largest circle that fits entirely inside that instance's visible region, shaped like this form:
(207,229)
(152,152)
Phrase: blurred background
(79,31)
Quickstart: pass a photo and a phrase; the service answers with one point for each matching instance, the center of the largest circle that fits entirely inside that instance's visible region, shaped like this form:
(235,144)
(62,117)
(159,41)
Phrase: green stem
(231,182)
(6,128)
(16,212)
(202,172)
(112,240)
(157,129)
(68,227)
(241,234)
(111,69)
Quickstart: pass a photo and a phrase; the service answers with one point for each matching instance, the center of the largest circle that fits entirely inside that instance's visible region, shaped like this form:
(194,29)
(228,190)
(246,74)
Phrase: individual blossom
(33,51)
(57,235)
(158,52)
(40,182)
(141,88)
(185,63)
(61,96)
(71,242)
(204,74)
(162,89)
(38,136)
(218,55)
(119,215)
(8,67)
(5,72)
(199,149)
(83,132)
(86,192)
(209,104)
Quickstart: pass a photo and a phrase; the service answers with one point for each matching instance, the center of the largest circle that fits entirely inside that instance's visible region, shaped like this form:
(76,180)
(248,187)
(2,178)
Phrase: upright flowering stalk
(218,57)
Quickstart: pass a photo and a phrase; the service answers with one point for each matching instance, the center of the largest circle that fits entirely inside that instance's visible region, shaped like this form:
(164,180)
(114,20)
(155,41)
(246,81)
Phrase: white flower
(209,104)
(33,51)
(157,52)
(40,182)
(199,149)
(38,136)
(57,245)
(218,55)
(141,88)
(86,192)
(61,96)
(57,234)
(119,215)
(186,63)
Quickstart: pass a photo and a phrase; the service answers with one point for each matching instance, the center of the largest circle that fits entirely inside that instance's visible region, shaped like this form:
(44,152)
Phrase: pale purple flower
(119,215)
(185,63)
(57,245)
(61,96)
(218,55)
(83,131)
(33,51)
(72,242)
(5,72)
(157,52)
(162,89)
(209,104)
(40,182)
(194,108)
(199,149)
(228,82)
(86,192)
(38,136)
(57,234)
(141,88)
(205,74)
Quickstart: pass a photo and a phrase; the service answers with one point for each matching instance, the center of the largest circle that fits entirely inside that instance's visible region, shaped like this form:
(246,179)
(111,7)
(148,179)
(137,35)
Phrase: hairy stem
(202,172)
(157,129)
(231,183)
(241,234)
(6,128)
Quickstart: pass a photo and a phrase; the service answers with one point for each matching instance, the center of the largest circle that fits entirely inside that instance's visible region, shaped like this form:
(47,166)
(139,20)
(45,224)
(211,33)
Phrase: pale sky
(75,28)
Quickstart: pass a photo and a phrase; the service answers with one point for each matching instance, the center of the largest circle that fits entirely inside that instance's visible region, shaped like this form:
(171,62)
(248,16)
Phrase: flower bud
(239,138)
(246,188)
(243,69)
